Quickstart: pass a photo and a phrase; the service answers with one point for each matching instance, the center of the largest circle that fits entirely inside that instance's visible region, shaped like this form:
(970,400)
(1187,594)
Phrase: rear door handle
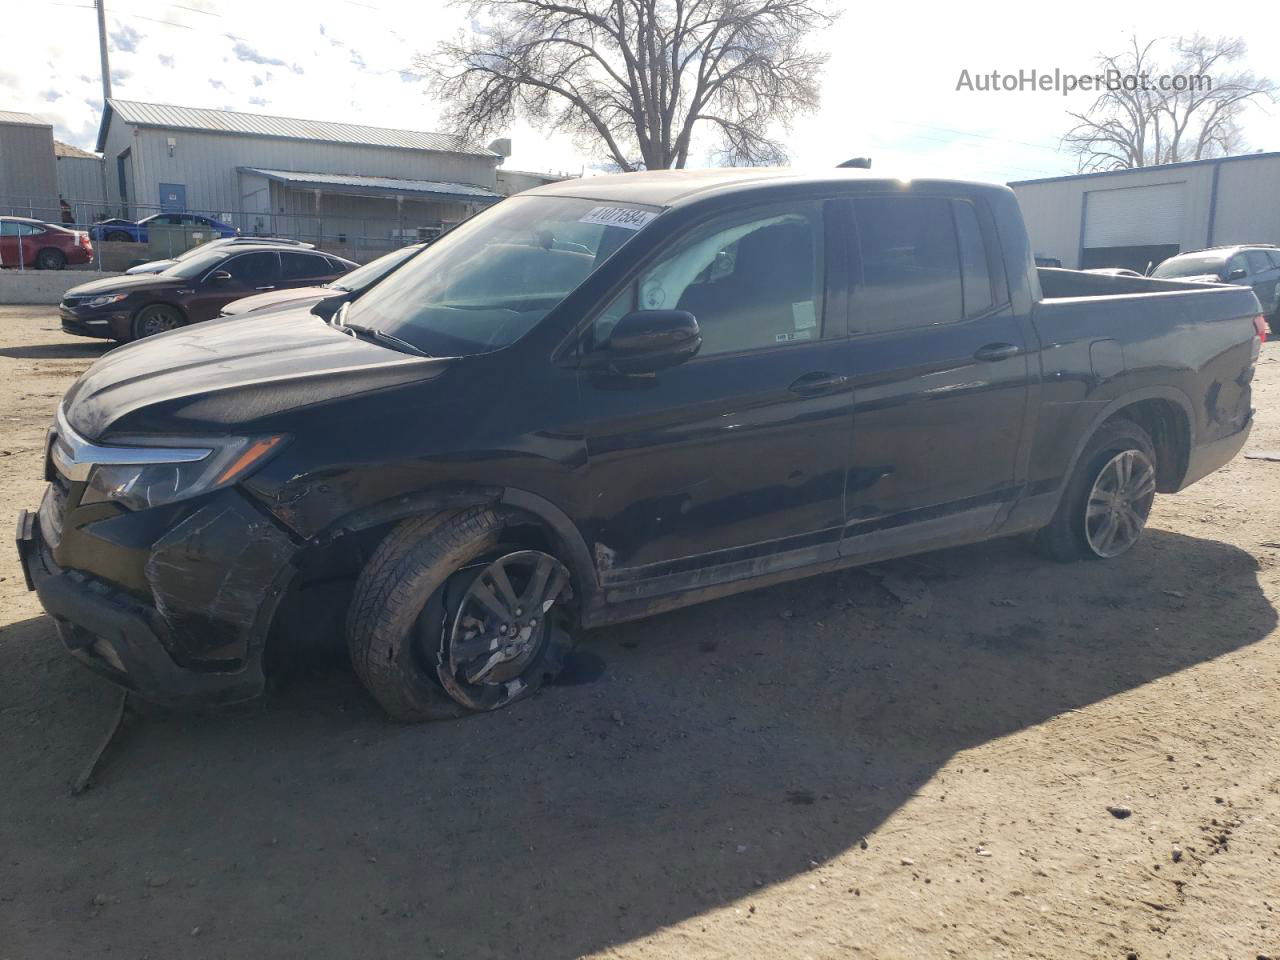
(264,288)
(817,382)
(996,351)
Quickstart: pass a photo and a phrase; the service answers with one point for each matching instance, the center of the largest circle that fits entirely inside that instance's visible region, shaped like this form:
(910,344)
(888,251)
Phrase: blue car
(131,232)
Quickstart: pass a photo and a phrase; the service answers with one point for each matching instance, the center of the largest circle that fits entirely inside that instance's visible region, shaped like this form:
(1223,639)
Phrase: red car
(35,244)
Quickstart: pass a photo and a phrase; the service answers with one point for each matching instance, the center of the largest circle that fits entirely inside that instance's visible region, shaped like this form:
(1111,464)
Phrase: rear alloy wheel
(50,259)
(1119,503)
(1105,506)
(452,613)
(157,318)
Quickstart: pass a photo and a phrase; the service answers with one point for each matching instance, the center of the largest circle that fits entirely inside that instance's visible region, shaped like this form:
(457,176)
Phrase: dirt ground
(910,762)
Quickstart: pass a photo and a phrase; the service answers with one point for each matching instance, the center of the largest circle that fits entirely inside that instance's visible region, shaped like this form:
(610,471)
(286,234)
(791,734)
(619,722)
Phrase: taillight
(84,239)
(1260,334)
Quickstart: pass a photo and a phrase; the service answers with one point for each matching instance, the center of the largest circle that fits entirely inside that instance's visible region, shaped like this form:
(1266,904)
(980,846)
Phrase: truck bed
(1180,343)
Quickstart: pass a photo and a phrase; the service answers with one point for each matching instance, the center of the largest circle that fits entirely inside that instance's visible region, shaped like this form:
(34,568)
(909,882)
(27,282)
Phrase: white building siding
(80,180)
(207,164)
(1245,207)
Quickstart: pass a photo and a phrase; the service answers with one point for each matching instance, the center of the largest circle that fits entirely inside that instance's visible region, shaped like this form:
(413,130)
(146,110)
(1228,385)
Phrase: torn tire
(450,617)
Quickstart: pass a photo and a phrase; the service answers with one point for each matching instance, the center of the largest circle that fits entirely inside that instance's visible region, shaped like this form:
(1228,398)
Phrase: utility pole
(102,46)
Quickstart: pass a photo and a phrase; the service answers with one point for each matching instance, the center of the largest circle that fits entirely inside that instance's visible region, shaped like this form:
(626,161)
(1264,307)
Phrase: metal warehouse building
(1129,218)
(344,184)
(26,158)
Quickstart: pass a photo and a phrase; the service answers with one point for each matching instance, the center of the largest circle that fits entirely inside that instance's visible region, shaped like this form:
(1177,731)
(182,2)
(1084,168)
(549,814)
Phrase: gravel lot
(909,762)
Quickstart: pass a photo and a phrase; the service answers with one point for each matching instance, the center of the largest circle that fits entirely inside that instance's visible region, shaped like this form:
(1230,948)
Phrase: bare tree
(634,79)
(1186,109)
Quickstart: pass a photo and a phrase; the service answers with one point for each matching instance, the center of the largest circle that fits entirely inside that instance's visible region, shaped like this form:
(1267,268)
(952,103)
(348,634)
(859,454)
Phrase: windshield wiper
(378,336)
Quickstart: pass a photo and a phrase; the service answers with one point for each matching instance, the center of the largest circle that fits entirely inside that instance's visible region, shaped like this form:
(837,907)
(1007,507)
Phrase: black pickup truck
(609,397)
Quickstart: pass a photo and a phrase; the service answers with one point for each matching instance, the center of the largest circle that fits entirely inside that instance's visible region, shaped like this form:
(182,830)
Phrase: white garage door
(1134,216)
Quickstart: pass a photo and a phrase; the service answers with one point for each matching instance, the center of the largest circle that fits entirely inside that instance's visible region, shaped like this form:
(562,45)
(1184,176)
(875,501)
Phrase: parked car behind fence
(33,244)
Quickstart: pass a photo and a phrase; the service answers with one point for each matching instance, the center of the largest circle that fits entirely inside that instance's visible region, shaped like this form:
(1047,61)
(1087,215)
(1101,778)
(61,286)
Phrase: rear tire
(119,236)
(407,608)
(1078,528)
(50,259)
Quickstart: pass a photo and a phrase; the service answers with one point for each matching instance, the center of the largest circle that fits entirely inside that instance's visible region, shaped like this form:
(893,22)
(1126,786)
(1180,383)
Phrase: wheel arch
(1165,413)
(541,511)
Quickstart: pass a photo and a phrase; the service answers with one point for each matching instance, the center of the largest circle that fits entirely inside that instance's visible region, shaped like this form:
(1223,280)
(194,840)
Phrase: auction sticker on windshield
(623,217)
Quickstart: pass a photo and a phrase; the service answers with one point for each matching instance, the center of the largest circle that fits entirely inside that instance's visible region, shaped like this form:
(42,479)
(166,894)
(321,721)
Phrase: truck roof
(669,188)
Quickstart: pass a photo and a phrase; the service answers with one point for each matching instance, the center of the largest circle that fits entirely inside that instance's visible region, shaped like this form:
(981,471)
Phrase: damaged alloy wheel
(452,613)
(500,625)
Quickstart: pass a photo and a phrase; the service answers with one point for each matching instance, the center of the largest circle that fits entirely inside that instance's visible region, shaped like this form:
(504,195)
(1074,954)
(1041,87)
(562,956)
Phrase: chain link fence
(357,238)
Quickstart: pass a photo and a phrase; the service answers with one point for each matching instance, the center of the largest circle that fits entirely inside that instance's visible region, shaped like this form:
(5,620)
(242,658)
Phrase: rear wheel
(50,259)
(1108,499)
(154,319)
(119,236)
(454,614)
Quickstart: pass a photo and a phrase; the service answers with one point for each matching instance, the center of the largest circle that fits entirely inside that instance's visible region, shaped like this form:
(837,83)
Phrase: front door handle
(996,351)
(264,288)
(817,382)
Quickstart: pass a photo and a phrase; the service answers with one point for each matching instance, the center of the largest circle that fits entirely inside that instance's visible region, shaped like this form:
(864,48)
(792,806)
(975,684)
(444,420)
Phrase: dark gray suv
(1246,265)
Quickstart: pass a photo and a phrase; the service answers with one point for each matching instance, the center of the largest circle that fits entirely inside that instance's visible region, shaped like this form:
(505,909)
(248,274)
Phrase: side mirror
(645,341)
(219,276)
(1239,273)
(326,308)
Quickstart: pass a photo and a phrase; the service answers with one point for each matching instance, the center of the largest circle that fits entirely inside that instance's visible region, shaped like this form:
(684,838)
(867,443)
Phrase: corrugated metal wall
(207,164)
(26,162)
(1245,208)
(80,179)
(1248,208)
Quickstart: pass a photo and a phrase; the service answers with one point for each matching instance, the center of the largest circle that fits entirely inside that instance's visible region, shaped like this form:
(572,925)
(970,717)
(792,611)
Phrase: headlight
(193,471)
(106,299)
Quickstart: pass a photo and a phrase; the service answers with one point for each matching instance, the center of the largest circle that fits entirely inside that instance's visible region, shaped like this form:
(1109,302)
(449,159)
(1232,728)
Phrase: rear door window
(910,259)
(1258,262)
(303,266)
(975,273)
(254,269)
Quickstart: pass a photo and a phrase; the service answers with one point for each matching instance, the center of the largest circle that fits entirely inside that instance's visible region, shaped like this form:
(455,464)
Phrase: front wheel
(1108,499)
(454,614)
(119,236)
(157,318)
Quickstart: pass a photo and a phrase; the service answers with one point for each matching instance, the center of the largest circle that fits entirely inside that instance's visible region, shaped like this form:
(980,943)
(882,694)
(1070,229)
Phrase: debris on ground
(1119,811)
(911,592)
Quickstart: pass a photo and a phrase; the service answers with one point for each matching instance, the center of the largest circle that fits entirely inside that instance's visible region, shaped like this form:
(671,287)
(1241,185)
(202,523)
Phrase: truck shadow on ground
(721,749)
(89,350)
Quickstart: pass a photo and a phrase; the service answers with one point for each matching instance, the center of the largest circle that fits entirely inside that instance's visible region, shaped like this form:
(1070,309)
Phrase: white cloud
(889,91)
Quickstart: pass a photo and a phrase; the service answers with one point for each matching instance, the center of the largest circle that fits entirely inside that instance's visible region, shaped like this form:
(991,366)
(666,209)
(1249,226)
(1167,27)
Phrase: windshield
(489,281)
(1189,267)
(374,270)
(195,266)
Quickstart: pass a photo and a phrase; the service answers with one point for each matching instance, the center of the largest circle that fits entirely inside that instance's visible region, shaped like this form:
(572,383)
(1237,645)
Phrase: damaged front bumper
(196,636)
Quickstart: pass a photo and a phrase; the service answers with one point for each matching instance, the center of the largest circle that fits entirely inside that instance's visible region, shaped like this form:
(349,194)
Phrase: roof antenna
(859,163)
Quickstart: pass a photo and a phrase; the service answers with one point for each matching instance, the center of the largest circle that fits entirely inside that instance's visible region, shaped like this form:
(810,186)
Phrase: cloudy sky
(890,90)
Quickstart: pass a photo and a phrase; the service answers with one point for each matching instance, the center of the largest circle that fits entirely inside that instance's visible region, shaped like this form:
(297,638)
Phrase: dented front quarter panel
(214,579)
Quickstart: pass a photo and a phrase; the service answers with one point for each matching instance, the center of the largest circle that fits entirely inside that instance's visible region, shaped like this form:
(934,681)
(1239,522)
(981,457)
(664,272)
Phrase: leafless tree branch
(635,78)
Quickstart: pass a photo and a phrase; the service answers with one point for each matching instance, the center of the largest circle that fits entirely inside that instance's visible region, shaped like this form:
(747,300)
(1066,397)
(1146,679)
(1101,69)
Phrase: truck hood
(125,284)
(225,374)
